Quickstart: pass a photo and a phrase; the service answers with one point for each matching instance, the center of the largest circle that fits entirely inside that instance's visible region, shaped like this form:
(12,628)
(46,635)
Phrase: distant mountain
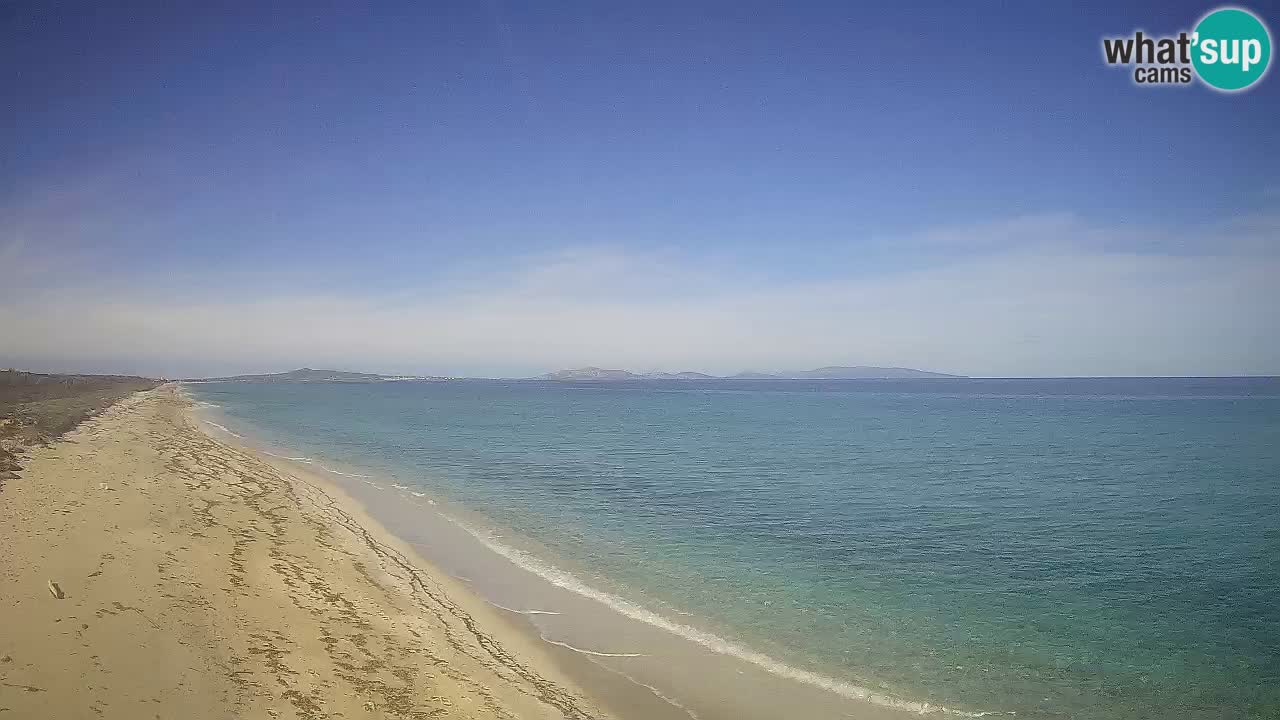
(310,375)
(686,375)
(864,372)
(591,373)
(603,375)
(859,372)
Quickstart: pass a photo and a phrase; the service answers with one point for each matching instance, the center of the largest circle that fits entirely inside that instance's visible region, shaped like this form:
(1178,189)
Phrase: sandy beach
(198,581)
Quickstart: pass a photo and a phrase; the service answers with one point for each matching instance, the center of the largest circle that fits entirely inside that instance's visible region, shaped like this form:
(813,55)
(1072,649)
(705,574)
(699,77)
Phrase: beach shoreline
(745,557)
(618,696)
(638,664)
(263,578)
(151,567)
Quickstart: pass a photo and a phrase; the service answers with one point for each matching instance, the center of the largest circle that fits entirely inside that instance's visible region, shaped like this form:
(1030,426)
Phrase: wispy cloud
(1045,296)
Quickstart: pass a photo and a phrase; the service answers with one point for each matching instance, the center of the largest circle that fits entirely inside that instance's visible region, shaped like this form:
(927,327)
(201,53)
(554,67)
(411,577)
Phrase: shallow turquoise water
(1057,548)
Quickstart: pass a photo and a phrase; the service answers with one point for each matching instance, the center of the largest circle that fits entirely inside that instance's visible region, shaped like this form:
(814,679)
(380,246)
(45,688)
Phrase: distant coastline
(606,375)
(831,372)
(312,375)
(593,374)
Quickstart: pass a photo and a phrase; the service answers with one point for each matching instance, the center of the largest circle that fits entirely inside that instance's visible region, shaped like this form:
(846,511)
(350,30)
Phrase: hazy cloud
(1047,296)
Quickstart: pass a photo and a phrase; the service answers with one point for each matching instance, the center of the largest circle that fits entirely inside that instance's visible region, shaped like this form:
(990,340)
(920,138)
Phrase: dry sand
(201,582)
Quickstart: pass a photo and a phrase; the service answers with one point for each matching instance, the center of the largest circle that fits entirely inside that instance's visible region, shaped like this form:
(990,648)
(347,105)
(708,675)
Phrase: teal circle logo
(1231,49)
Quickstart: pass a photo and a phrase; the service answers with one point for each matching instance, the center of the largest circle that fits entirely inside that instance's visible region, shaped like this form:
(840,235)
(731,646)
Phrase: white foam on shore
(710,641)
(304,460)
(346,474)
(326,468)
(594,653)
(656,692)
(522,612)
(223,428)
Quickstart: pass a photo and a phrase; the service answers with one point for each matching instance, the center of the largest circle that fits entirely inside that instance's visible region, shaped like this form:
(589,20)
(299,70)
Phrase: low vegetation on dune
(36,408)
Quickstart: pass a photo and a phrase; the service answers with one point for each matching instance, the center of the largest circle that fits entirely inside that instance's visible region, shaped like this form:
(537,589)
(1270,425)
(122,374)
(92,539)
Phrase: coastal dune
(198,581)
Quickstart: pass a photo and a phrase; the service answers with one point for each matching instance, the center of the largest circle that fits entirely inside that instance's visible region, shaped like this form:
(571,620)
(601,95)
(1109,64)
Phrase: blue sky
(499,188)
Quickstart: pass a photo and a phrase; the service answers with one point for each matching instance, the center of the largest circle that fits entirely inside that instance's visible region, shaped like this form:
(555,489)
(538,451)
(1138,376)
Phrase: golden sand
(202,582)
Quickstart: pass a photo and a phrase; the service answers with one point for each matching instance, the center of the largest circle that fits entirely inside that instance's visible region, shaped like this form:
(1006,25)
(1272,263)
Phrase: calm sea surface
(1078,548)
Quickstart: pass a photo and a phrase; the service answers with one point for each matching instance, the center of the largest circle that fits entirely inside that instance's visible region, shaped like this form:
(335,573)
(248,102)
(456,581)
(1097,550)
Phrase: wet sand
(198,581)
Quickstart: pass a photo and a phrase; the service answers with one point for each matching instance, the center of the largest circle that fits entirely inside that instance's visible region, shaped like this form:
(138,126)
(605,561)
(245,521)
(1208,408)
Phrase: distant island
(857,372)
(592,374)
(311,375)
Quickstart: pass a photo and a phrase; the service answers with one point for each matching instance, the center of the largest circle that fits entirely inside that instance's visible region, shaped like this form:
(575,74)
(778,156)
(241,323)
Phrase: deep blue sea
(1075,548)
